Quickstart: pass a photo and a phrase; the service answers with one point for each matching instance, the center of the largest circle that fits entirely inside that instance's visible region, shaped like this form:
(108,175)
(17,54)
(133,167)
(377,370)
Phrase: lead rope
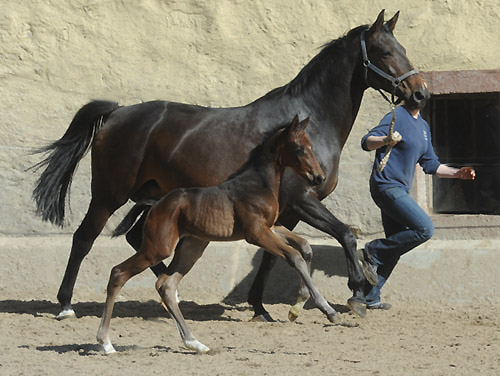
(384,160)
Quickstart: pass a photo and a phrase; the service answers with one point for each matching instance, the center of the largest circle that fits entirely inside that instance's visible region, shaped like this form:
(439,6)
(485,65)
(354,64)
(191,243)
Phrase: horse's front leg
(310,210)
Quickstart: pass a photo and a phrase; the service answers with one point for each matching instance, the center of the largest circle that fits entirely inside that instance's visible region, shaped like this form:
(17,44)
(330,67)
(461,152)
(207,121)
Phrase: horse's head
(297,152)
(387,67)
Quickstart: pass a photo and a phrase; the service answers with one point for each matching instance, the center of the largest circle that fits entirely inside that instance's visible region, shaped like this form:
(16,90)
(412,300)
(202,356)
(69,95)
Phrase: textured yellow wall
(57,55)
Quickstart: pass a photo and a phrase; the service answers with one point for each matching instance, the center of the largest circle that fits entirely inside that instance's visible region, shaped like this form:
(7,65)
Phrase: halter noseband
(395,81)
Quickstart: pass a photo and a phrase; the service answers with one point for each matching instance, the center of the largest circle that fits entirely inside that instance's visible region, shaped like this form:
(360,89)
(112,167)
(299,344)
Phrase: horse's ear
(377,26)
(391,24)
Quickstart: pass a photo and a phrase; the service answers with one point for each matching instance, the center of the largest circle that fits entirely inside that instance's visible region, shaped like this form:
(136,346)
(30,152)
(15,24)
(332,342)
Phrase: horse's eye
(387,54)
(300,150)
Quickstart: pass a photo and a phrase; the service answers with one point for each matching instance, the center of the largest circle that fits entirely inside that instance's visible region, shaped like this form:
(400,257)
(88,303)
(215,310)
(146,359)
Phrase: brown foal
(245,206)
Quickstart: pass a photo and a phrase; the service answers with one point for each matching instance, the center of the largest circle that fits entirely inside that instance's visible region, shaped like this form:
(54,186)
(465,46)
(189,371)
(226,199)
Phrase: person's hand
(391,141)
(466,173)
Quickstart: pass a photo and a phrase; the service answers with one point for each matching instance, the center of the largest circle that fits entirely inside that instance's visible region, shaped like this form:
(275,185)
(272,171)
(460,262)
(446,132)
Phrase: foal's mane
(255,154)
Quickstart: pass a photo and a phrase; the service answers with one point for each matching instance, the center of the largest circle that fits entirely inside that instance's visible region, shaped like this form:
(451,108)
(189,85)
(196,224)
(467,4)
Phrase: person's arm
(464,173)
(376,142)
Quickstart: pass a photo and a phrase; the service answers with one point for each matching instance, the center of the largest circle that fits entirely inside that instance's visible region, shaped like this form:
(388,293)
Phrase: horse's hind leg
(305,250)
(183,261)
(83,239)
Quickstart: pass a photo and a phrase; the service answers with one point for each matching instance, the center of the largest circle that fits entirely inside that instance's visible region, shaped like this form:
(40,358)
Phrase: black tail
(65,154)
(131,217)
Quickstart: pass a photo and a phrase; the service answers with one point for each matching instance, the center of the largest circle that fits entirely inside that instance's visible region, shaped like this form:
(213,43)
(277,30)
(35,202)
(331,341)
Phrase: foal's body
(245,206)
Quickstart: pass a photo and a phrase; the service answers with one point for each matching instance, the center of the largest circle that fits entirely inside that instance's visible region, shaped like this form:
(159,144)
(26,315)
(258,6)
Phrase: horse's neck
(333,96)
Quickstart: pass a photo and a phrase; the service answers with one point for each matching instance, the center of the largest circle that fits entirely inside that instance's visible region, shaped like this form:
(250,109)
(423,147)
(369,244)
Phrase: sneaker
(368,266)
(379,305)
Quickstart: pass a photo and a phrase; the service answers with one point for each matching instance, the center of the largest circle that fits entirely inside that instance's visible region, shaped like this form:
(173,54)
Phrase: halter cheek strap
(395,81)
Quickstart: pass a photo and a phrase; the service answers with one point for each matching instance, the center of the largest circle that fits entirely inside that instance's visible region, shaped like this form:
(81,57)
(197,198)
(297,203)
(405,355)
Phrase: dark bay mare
(245,206)
(146,150)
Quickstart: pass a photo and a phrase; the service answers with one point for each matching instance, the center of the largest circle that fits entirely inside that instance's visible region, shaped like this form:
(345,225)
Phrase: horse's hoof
(66,314)
(265,317)
(369,270)
(357,306)
(334,318)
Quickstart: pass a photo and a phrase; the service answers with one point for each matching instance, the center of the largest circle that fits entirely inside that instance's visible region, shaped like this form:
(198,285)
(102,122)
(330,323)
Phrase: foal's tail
(53,184)
(129,220)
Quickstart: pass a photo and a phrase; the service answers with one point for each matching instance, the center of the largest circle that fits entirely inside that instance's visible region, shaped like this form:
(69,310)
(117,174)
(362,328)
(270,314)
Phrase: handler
(405,223)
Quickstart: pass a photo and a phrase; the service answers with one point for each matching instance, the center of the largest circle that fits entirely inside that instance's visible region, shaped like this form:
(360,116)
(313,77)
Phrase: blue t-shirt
(415,147)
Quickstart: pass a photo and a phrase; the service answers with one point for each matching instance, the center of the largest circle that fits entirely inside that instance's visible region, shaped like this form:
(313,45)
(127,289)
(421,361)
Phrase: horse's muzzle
(417,98)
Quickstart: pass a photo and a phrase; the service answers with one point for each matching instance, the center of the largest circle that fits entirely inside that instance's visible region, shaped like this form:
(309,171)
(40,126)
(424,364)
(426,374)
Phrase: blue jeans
(406,226)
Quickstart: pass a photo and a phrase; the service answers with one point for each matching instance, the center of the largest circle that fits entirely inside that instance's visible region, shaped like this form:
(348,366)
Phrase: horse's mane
(320,65)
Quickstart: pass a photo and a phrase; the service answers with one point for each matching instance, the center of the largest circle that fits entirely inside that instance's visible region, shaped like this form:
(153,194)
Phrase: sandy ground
(407,340)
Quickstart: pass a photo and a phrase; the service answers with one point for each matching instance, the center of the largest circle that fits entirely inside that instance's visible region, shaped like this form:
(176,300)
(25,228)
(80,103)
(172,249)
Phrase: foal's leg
(134,238)
(310,210)
(305,250)
(161,236)
(120,274)
(183,261)
(266,239)
(266,265)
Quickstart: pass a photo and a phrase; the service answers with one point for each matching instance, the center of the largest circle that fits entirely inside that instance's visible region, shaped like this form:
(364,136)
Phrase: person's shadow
(283,284)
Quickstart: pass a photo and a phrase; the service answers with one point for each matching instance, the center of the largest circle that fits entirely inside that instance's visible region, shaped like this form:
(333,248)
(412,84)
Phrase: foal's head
(297,153)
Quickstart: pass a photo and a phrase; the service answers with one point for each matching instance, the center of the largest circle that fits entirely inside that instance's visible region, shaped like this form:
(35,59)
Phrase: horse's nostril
(418,96)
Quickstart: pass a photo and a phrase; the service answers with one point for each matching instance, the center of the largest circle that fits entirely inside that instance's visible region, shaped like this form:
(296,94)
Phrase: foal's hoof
(197,346)
(66,314)
(292,316)
(294,312)
(265,317)
(108,348)
(358,306)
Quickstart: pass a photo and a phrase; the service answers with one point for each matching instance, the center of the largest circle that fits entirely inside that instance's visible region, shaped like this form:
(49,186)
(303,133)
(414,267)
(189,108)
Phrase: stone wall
(55,56)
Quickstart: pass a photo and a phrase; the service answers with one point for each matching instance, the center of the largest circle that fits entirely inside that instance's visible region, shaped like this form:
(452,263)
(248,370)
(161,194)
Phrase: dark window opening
(466,132)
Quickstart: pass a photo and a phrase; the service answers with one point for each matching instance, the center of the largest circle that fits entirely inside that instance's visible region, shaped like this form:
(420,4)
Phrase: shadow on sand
(281,288)
(283,283)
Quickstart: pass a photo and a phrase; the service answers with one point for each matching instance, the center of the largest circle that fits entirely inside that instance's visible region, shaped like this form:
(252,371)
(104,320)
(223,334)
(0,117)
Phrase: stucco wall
(57,55)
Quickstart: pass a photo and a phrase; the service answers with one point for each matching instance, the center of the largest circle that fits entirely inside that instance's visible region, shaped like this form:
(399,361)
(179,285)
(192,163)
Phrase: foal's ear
(304,123)
(293,126)
(391,24)
(377,26)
